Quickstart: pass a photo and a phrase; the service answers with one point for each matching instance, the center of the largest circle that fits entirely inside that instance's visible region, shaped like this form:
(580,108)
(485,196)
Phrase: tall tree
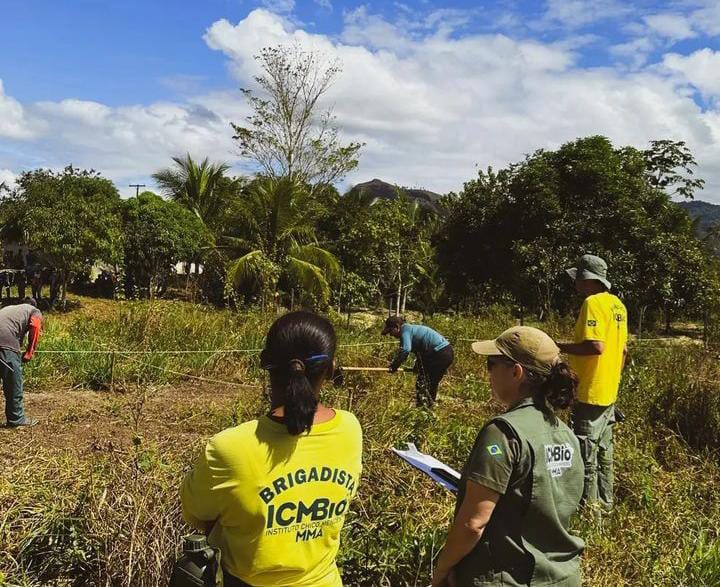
(527,222)
(274,236)
(670,166)
(70,217)
(384,243)
(158,235)
(288,134)
(466,263)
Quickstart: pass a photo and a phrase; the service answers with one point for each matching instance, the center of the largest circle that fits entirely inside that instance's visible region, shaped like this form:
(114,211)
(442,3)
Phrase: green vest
(527,541)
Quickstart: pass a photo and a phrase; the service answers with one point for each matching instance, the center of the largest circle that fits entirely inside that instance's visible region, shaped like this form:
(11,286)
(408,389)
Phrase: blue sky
(122,86)
(120,52)
(125,51)
(109,51)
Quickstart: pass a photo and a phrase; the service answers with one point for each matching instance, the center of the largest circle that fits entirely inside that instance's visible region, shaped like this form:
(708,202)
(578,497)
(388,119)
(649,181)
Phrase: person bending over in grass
(15,322)
(524,479)
(433,353)
(273,492)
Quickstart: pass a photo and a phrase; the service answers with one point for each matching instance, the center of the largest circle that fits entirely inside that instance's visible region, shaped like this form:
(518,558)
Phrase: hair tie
(297,367)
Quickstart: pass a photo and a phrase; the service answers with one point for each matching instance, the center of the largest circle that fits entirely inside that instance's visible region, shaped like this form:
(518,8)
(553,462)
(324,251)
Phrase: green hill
(707,213)
(376,188)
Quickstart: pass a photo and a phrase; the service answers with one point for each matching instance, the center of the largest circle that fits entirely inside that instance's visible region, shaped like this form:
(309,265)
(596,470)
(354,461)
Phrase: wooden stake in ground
(112,371)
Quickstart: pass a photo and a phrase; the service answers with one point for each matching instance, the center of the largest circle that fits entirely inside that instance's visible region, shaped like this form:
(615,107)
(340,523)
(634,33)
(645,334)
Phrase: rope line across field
(256,350)
(188,375)
(183,351)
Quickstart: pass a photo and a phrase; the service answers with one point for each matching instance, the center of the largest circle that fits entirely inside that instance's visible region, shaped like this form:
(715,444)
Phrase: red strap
(34,329)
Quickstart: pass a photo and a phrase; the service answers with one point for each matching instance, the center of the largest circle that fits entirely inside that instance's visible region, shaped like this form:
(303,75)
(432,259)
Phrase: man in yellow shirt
(597,354)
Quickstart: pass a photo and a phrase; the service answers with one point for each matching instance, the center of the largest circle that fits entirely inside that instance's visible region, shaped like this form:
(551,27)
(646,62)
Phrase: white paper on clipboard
(438,471)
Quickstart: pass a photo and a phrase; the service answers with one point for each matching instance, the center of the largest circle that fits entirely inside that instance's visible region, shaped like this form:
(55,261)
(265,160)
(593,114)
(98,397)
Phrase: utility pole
(137,187)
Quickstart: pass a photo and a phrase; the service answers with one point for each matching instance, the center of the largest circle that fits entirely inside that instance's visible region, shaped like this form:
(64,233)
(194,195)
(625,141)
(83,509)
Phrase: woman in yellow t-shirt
(275,490)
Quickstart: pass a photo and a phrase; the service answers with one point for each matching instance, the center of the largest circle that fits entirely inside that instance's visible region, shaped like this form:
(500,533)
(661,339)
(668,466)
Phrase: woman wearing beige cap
(524,479)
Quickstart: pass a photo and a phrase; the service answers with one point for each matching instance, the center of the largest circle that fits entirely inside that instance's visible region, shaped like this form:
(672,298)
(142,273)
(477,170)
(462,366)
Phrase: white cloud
(432,108)
(125,143)
(700,69)
(675,27)
(447,20)
(12,117)
(371,30)
(182,83)
(707,18)
(650,35)
(579,13)
(429,107)
(279,6)
(656,32)
(647,31)
(361,27)
(259,29)
(326,4)
(635,53)
(7,178)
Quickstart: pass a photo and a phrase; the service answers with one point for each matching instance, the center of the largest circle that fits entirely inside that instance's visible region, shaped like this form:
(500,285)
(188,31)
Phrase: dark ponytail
(299,353)
(300,400)
(560,386)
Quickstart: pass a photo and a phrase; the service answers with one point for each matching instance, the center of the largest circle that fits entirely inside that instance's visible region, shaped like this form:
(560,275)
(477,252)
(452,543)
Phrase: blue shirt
(417,339)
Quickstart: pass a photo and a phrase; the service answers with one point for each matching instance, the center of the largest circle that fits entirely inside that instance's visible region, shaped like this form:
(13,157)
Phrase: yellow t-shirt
(603,317)
(279,500)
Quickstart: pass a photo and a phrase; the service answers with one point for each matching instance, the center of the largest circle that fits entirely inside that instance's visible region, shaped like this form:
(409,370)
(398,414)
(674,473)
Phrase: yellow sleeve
(202,495)
(358,464)
(592,322)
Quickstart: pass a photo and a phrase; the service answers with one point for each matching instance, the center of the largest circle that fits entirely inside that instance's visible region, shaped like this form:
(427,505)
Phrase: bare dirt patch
(84,420)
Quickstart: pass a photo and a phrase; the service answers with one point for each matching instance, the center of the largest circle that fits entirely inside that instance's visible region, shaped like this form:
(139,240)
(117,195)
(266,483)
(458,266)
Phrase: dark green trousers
(593,426)
(12,383)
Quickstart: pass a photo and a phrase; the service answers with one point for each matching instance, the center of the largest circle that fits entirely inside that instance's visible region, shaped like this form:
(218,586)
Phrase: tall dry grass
(103,510)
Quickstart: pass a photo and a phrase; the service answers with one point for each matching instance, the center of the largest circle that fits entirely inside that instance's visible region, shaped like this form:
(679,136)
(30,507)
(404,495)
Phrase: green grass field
(89,497)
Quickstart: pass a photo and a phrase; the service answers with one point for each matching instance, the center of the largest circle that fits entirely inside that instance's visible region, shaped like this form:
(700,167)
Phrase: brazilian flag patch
(494,450)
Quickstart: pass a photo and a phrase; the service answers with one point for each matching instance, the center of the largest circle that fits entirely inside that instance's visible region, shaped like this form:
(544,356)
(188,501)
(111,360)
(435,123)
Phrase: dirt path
(83,420)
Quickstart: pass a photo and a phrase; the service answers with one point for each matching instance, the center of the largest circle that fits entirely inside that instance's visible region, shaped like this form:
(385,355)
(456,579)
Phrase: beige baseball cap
(529,346)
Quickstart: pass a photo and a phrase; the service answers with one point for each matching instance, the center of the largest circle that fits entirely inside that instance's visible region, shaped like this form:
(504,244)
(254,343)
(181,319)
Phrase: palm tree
(275,224)
(201,188)
(197,187)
